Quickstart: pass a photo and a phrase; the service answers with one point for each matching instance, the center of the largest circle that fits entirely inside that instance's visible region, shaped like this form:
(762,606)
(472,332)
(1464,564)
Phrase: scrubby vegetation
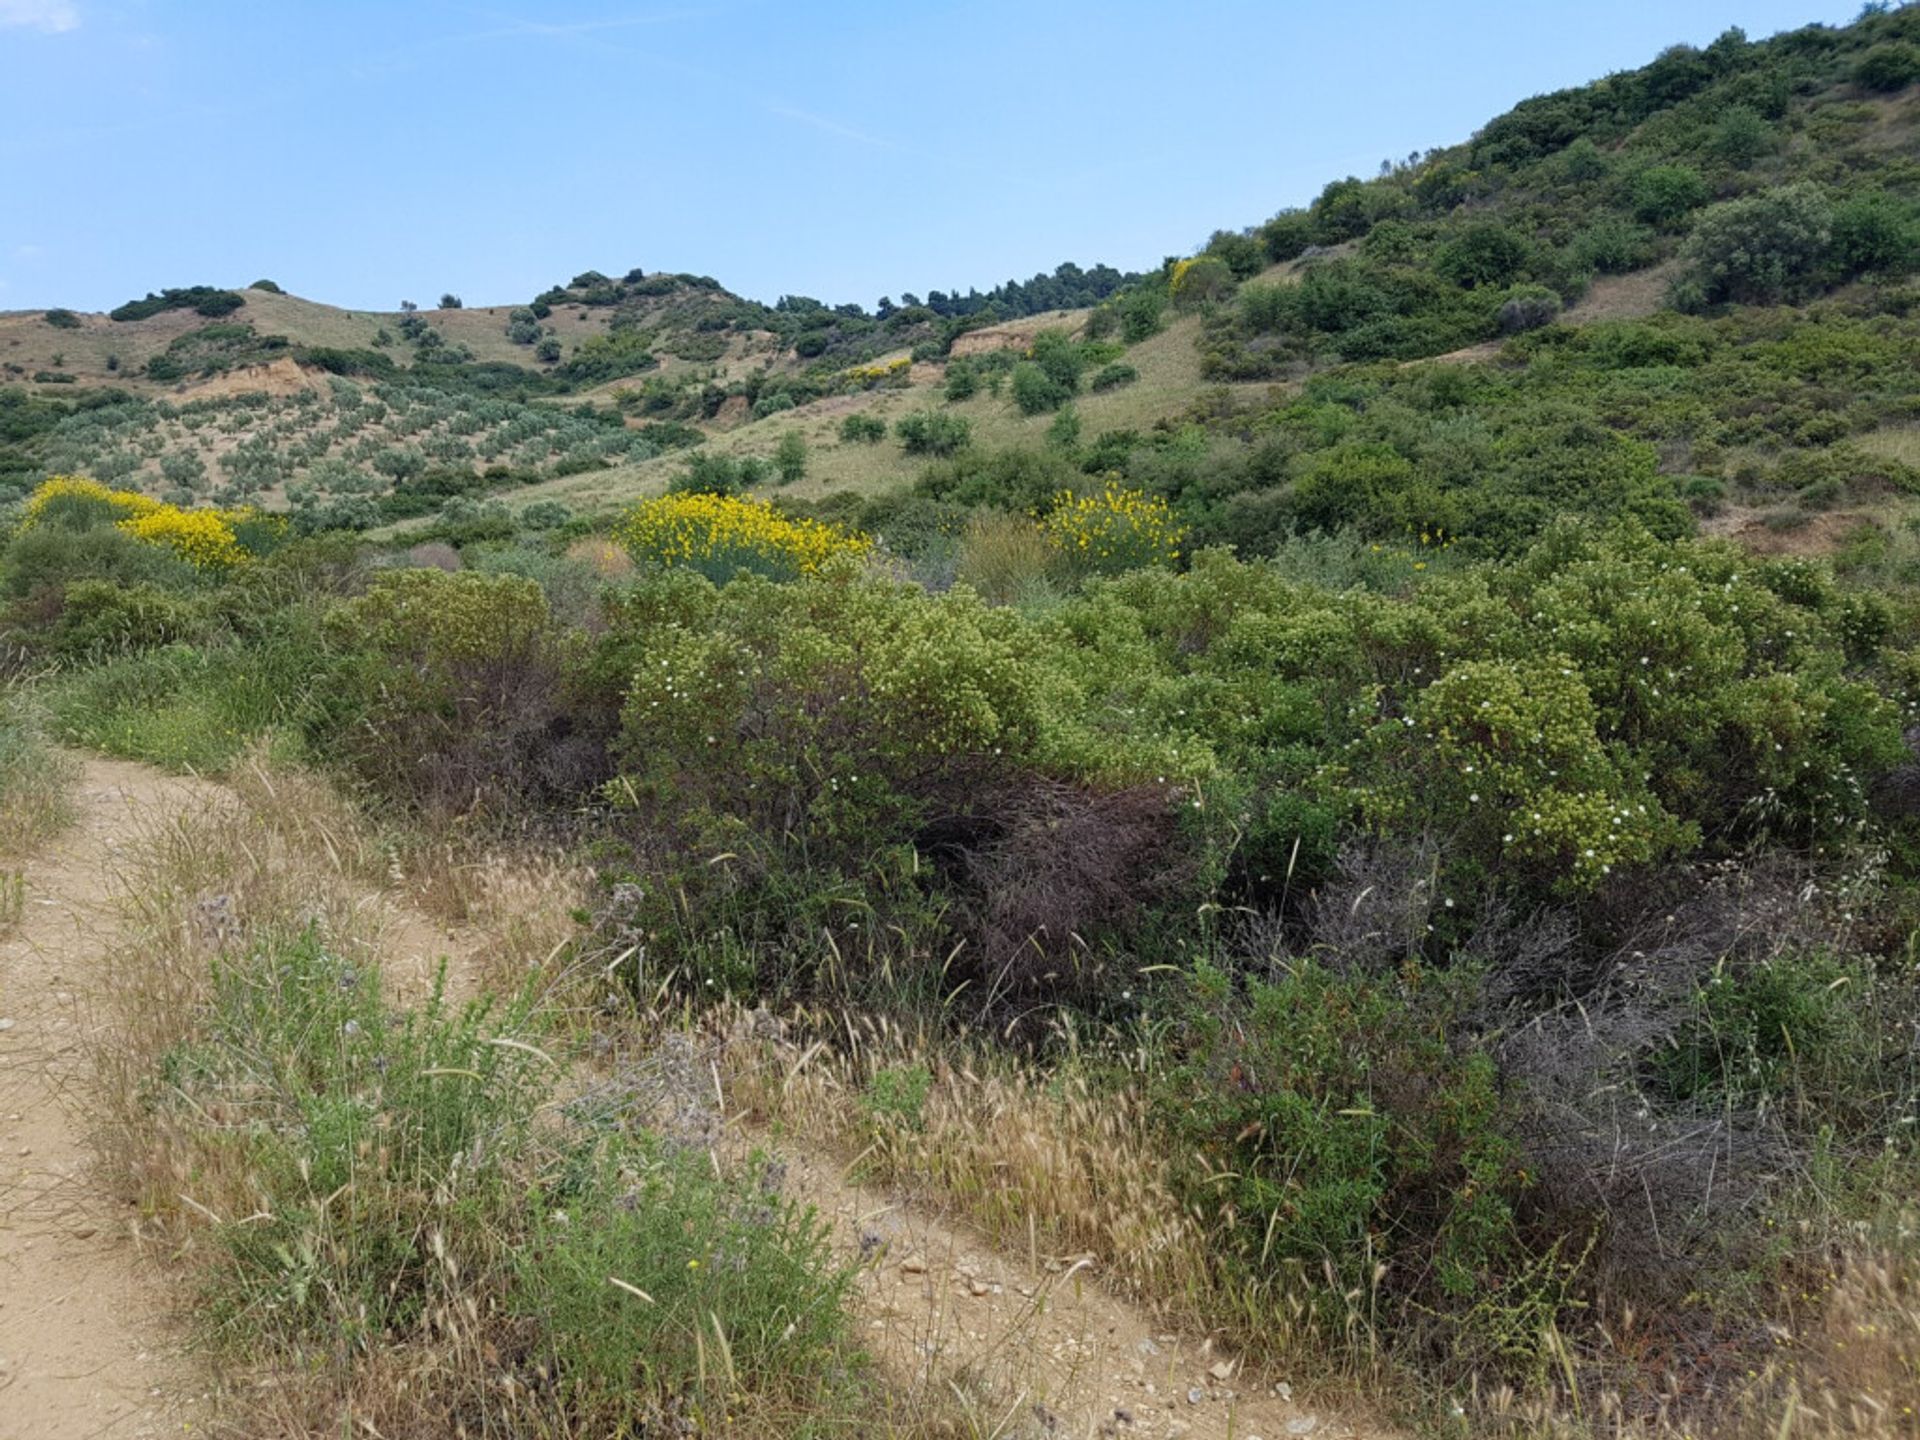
(1411,868)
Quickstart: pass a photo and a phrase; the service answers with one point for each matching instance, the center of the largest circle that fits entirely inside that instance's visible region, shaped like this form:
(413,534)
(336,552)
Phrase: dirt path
(1042,1347)
(1031,1343)
(84,1349)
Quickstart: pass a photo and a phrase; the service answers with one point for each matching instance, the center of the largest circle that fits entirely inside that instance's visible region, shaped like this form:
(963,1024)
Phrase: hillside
(1532,247)
(1323,838)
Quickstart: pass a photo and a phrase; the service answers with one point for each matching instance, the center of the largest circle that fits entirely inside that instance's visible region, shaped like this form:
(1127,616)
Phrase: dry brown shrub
(606,559)
(1065,868)
(435,555)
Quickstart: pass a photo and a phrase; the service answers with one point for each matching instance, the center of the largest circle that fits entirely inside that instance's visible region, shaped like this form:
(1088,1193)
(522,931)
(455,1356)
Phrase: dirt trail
(84,1347)
(1059,1356)
(1034,1341)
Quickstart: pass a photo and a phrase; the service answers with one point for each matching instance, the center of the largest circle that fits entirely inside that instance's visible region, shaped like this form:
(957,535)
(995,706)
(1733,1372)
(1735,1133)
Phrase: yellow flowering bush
(208,539)
(1112,530)
(719,535)
(894,373)
(203,538)
(76,491)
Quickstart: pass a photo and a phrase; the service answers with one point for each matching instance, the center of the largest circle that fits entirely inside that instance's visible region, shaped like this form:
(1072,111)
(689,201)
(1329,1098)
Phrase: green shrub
(451,692)
(1765,1033)
(201,299)
(720,1288)
(863,429)
(1346,1151)
(1287,234)
(347,1132)
(1740,136)
(896,1095)
(1665,194)
(103,617)
(875,709)
(62,319)
(1015,479)
(1035,392)
(790,458)
(928,432)
(1485,253)
(1874,234)
(1140,312)
(962,381)
(1200,281)
(1889,67)
(1528,307)
(1112,377)
(711,473)
(1763,249)
(54,553)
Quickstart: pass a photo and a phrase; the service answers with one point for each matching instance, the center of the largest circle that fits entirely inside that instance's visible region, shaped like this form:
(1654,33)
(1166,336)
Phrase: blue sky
(362,151)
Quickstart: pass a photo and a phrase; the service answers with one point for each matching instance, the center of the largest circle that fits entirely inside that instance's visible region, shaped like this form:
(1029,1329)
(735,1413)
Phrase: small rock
(914,1265)
(1303,1426)
(1195,1395)
(85,1232)
(1177,1428)
(1147,1347)
(1283,1390)
(1221,1370)
(6,1024)
(977,1288)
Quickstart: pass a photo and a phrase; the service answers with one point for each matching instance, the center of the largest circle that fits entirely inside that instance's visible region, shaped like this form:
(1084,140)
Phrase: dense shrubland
(1758,168)
(1470,914)
(1486,900)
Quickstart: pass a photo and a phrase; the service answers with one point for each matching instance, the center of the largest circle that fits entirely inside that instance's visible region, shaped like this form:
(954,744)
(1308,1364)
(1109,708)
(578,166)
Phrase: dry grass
(218,896)
(1624,297)
(35,780)
(1848,1370)
(1004,557)
(1894,442)
(1032,1159)
(1065,1161)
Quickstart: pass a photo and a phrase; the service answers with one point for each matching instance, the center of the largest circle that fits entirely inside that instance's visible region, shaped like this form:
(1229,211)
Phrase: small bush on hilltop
(201,299)
(928,432)
(859,429)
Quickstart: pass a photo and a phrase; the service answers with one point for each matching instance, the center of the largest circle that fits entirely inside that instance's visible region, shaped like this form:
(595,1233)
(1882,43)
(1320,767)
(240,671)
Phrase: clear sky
(362,151)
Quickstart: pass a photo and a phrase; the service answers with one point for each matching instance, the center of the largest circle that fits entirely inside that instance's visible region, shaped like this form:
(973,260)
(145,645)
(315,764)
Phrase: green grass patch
(187,708)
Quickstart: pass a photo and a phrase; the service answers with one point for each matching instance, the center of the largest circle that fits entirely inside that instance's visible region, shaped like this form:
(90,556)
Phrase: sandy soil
(86,1349)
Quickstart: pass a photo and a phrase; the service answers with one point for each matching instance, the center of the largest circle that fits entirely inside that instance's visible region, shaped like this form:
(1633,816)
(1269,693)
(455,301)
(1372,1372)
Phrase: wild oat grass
(35,779)
(1033,1158)
(1005,558)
